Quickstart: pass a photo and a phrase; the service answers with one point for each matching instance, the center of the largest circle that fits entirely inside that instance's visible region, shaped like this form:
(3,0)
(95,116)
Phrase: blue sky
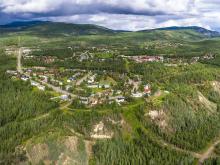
(116,14)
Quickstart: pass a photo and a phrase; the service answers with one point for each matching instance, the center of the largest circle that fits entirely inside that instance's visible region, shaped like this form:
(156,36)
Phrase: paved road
(58,89)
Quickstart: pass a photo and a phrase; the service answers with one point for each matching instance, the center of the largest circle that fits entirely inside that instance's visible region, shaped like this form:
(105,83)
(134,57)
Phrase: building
(41,87)
(106,86)
(118,99)
(147,90)
(91,79)
(12,72)
(64,97)
(68,87)
(137,95)
(93,86)
(141,59)
(84,100)
(38,85)
(24,78)
(10,51)
(26,51)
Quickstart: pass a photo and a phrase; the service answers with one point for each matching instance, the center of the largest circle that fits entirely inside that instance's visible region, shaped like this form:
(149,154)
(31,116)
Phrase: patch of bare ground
(216,86)
(65,160)
(101,132)
(210,106)
(71,155)
(39,152)
(114,122)
(71,143)
(159,118)
(88,146)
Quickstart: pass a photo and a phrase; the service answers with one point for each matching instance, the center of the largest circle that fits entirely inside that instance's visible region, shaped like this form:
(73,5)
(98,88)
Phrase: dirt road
(205,155)
(19,56)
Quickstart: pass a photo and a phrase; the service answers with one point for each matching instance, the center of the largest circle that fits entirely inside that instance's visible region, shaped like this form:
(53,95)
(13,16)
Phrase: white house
(36,84)
(64,97)
(24,78)
(137,95)
(41,87)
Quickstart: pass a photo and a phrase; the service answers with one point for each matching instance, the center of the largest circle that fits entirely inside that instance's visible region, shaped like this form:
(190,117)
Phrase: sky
(116,14)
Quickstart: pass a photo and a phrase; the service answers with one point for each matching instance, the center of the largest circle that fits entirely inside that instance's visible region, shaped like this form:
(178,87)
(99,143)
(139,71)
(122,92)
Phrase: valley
(84,94)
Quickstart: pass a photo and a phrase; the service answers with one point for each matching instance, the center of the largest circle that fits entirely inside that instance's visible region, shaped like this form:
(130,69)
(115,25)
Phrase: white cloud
(38,6)
(118,14)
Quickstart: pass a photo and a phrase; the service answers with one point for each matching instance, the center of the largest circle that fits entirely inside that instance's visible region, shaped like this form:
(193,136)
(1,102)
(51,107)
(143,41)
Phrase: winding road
(208,152)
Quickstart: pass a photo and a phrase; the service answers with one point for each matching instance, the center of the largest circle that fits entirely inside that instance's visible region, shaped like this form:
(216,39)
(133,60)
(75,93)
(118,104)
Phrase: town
(88,88)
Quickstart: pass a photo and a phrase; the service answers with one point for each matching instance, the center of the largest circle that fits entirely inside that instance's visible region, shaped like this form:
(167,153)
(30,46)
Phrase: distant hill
(55,28)
(21,24)
(201,30)
(47,28)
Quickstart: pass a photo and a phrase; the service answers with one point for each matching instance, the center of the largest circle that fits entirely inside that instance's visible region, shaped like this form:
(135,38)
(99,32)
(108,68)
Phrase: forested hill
(47,28)
(177,123)
(55,28)
(206,32)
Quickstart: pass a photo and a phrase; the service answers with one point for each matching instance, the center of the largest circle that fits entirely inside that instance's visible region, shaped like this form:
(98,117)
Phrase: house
(12,72)
(41,87)
(34,83)
(147,90)
(144,58)
(68,87)
(24,78)
(118,99)
(93,86)
(73,77)
(91,79)
(106,86)
(208,56)
(49,59)
(195,59)
(28,57)
(64,97)
(38,85)
(44,78)
(85,56)
(10,51)
(84,100)
(26,51)
(93,101)
(137,95)
(56,82)
(118,92)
